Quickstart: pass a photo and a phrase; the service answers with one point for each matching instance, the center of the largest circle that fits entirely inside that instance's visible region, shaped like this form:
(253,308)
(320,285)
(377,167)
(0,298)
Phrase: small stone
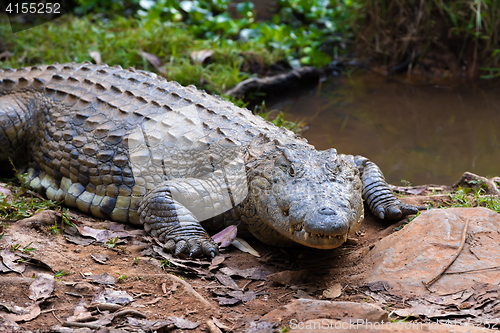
(465,305)
(352,241)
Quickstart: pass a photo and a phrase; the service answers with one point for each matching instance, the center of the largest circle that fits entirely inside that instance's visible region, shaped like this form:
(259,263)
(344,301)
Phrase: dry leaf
(81,313)
(96,56)
(288,277)
(9,258)
(333,292)
(199,57)
(152,59)
(243,246)
(226,236)
(104,278)
(5,55)
(42,287)
(27,314)
(227,281)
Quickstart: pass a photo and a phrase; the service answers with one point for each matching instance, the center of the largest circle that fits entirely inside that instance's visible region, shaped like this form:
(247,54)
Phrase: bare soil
(157,297)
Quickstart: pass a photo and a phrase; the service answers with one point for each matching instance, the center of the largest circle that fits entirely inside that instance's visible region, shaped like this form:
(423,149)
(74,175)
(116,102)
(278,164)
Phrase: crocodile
(130,146)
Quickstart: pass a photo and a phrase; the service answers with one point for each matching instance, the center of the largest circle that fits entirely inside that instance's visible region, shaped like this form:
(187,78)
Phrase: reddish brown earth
(158,297)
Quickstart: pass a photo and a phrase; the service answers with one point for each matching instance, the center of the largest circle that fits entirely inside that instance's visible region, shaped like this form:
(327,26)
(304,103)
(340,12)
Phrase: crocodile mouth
(316,239)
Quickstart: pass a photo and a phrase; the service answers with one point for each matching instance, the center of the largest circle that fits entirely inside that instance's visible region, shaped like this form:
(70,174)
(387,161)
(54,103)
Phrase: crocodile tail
(15,116)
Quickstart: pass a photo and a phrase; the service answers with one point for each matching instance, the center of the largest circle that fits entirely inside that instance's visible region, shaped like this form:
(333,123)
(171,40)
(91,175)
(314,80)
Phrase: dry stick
(76,324)
(128,312)
(475,270)
(455,256)
(190,289)
(59,320)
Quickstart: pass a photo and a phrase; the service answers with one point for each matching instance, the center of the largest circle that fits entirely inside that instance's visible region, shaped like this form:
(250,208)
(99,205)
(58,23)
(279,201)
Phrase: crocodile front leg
(172,212)
(378,195)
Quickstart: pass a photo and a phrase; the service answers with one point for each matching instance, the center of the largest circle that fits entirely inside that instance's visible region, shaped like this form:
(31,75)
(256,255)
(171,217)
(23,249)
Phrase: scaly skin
(129,146)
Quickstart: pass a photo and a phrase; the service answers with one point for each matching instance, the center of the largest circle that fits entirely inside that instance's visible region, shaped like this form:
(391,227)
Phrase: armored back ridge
(130,146)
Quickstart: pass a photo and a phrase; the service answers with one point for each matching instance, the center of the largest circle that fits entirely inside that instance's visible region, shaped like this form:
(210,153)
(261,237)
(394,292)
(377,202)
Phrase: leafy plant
(111,242)
(165,263)
(406,183)
(61,273)
(25,249)
(122,278)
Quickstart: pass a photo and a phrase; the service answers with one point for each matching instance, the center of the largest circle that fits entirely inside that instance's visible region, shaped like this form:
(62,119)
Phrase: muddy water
(422,134)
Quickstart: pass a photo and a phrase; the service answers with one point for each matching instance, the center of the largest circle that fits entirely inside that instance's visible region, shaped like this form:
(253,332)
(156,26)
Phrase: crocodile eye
(291,171)
(333,169)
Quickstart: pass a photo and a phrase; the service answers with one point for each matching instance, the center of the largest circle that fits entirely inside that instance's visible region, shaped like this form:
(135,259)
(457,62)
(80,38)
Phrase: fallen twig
(57,318)
(103,307)
(284,295)
(189,289)
(455,256)
(474,270)
(129,312)
(75,324)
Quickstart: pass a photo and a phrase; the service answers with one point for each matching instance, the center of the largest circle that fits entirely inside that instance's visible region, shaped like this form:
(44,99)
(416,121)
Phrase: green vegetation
(111,242)
(460,33)
(467,197)
(168,37)
(61,273)
(122,278)
(304,30)
(165,263)
(406,182)
(407,222)
(27,249)
(24,203)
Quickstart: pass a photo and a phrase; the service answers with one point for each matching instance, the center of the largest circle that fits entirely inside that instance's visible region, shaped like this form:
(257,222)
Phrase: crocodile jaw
(327,239)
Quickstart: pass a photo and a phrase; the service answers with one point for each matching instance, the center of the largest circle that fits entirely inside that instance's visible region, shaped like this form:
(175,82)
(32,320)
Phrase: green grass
(23,205)
(120,41)
(467,197)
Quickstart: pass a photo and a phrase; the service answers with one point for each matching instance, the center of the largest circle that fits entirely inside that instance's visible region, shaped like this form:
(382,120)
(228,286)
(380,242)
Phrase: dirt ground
(239,287)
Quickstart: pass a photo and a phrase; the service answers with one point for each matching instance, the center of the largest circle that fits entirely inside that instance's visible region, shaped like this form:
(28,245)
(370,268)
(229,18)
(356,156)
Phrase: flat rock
(422,249)
(301,310)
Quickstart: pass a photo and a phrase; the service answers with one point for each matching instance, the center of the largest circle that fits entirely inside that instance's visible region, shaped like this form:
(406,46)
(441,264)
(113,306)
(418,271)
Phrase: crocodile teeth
(292,229)
(307,235)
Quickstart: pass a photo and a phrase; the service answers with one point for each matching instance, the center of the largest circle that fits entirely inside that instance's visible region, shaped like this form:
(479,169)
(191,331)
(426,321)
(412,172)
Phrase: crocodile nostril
(326,211)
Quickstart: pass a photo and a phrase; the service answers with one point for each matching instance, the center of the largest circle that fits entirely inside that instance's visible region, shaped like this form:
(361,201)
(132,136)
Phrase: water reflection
(421,134)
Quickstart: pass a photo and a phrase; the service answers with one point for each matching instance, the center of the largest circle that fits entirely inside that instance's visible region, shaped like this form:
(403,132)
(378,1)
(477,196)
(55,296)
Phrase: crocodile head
(311,197)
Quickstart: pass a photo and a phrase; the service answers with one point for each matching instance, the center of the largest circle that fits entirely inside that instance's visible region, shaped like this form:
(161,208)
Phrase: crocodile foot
(192,246)
(395,209)
(173,224)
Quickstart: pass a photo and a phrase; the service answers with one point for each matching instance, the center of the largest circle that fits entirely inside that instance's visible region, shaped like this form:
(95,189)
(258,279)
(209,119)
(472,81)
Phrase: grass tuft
(467,197)
(468,30)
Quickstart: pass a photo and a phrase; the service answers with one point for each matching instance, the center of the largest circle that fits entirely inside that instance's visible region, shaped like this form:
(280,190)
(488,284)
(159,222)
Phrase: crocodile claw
(193,247)
(396,210)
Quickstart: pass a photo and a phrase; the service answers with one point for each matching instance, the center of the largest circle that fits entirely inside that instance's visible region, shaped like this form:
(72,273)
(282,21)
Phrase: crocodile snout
(327,222)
